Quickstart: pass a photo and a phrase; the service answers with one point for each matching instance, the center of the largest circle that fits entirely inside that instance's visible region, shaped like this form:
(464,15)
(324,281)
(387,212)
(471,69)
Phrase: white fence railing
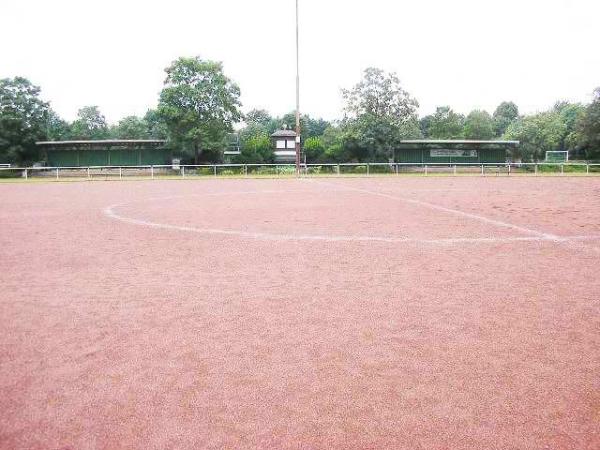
(289,170)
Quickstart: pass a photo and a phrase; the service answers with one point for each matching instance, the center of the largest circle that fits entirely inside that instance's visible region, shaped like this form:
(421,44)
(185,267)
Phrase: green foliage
(309,127)
(588,128)
(314,149)
(424,126)
(333,144)
(570,114)
(57,129)
(479,125)
(131,127)
(90,124)
(255,136)
(256,148)
(157,129)
(444,124)
(505,114)
(379,113)
(255,142)
(199,106)
(371,138)
(538,134)
(258,117)
(271,170)
(23,120)
(337,153)
(379,95)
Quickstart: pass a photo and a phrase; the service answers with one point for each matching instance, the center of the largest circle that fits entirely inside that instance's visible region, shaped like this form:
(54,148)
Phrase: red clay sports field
(432,313)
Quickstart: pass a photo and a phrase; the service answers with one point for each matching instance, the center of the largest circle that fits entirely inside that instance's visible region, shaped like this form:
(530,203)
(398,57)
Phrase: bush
(205,171)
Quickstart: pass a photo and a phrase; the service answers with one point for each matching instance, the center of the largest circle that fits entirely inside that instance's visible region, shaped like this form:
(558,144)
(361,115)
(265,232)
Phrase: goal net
(557,156)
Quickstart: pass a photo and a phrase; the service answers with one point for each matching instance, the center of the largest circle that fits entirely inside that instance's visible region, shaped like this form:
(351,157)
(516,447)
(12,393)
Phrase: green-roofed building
(112,152)
(453,151)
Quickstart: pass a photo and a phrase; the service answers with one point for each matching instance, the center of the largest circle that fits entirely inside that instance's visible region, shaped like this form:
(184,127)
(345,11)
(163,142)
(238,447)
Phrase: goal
(557,156)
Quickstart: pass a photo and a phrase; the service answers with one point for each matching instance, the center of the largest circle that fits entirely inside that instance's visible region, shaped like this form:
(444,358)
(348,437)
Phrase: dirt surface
(433,313)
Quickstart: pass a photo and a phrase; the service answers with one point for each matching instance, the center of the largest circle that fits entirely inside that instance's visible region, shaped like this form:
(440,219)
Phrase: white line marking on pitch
(545,236)
(110,212)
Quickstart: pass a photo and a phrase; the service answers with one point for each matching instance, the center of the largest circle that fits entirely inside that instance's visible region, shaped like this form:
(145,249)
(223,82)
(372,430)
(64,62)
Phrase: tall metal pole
(298,140)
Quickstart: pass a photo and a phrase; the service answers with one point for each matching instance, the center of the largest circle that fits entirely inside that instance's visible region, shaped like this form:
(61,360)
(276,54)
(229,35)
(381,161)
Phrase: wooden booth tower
(284,142)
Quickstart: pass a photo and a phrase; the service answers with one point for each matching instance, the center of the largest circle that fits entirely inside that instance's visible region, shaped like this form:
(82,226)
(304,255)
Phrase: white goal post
(557,156)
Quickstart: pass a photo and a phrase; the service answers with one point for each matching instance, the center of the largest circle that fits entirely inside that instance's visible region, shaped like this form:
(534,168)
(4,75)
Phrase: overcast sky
(465,53)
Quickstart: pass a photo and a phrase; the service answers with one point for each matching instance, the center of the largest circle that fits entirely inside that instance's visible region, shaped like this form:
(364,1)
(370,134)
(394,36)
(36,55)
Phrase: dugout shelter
(111,152)
(453,151)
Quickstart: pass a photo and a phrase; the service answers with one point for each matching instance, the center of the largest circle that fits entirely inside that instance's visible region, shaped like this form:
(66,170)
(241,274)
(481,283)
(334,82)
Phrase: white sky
(465,53)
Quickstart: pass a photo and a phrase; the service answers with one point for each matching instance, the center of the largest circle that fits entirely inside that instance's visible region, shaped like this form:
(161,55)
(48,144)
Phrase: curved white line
(110,211)
(498,223)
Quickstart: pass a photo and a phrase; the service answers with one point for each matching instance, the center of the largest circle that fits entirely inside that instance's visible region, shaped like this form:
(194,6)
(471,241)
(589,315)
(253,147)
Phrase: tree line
(199,106)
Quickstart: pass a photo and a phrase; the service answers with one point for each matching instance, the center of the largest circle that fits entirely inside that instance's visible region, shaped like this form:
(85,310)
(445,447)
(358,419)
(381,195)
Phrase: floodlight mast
(298,140)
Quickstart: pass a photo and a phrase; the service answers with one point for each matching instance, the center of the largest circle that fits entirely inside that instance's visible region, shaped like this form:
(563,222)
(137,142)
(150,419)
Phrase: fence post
(120,173)
(482,171)
(182,171)
(425,169)
(26,173)
(88,173)
(152,172)
(245,170)
(57,173)
(509,169)
(536,169)
(338,170)
(368,169)
(587,169)
(215,169)
(454,169)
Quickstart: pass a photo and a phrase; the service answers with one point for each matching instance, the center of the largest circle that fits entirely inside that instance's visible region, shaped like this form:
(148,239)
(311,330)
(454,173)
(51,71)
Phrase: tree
(157,129)
(314,149)
(371,138)
(479,125)
(570,114)
(90,124)
(588,128)
(424,124)
(258,117)
(131,127)
(57,129)
(199,105)
(444,124)
(23,120)
(379,95)
(505,114)
(309,127)
(256,149)
(378,114)
(333,144)
(538,134)
(260,123)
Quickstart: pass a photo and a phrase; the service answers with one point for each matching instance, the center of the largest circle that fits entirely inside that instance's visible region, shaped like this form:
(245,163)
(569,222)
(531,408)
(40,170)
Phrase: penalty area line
(111,213)
(498,223)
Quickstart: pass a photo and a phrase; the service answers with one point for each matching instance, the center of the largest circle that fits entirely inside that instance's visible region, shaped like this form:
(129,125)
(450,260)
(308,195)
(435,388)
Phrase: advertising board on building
(444,153)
